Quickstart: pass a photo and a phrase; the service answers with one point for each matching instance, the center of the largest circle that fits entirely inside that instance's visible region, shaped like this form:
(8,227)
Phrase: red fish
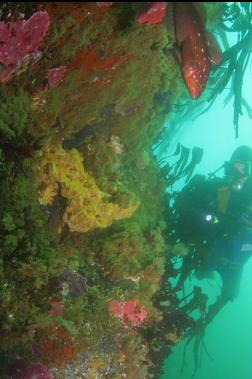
(192,40)
(214,50)
(155,14)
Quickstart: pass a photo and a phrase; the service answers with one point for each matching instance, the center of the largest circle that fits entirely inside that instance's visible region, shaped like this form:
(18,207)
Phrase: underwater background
(95,99)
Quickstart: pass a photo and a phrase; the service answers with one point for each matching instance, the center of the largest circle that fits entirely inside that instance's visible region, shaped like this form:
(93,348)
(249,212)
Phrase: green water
(228,337)
(228,340)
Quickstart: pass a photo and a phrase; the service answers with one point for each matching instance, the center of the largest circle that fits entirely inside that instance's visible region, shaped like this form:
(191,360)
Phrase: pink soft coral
(129,311)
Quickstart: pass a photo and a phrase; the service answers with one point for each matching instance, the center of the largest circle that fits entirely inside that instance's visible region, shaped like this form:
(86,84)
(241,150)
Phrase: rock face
(73,284)
(85,89)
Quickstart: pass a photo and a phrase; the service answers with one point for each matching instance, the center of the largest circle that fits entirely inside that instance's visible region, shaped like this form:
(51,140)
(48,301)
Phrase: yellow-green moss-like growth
(62,172)
(14,114)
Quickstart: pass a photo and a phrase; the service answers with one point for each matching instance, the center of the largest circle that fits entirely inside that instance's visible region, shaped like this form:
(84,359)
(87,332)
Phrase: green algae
(15,114)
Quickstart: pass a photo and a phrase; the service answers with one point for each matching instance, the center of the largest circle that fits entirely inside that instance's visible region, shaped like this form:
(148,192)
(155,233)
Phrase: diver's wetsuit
(229,253)
(228,256)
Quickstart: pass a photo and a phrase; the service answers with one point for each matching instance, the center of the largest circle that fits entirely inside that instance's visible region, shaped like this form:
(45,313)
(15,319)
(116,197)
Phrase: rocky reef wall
(85,258)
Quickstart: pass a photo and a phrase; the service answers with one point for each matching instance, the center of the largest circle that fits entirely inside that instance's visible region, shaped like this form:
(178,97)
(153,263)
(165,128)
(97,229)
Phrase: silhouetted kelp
(236,18)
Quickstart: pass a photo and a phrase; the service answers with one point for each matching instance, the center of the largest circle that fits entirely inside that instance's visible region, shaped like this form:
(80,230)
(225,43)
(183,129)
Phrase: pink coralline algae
(55,76)
(154,15)
(23,370)
(19,39)
(129,311)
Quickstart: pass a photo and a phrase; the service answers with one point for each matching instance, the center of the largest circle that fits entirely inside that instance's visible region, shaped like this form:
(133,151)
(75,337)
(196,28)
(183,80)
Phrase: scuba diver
(213,217)
(212,220)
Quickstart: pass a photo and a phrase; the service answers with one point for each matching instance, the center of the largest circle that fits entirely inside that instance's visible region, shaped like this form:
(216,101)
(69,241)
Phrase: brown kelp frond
(183,167)
(196,335)
(236,19)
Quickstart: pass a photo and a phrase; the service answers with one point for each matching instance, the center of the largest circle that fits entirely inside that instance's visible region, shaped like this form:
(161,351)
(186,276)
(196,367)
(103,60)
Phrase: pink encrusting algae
(129,311)
(55,76)
(19,39)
